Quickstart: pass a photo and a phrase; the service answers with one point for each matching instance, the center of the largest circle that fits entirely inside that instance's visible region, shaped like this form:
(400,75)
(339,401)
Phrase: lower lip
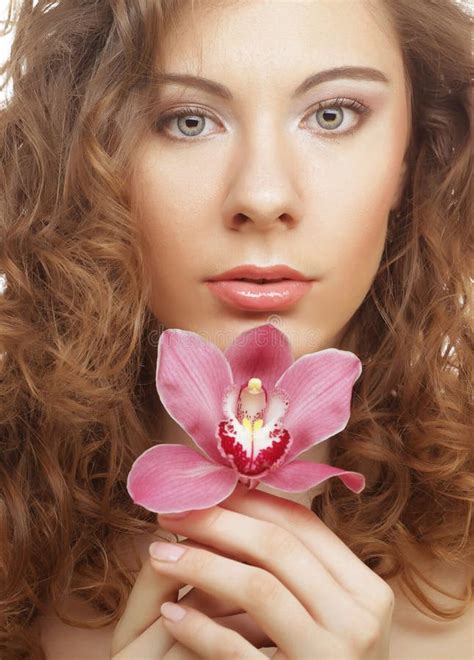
(260,297)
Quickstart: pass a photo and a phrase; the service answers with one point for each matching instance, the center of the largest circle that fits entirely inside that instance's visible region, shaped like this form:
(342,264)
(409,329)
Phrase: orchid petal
(174,478)
(298,476)
(320,388)
(262,352)
(191,375)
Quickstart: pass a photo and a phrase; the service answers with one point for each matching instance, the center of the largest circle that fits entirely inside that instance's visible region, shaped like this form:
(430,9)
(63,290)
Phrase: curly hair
(78,342)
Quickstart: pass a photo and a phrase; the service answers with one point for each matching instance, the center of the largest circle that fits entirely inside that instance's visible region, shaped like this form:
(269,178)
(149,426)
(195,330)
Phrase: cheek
(174,220)
(359,243)
(351,236)
(355,258)
(362,196)
(360,252)
(169,219)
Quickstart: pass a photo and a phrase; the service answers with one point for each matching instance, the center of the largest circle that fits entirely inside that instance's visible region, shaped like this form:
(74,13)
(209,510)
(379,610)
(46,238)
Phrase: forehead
(249,36)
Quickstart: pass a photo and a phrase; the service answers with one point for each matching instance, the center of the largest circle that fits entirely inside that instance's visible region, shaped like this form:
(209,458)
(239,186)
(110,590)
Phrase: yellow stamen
(254,385)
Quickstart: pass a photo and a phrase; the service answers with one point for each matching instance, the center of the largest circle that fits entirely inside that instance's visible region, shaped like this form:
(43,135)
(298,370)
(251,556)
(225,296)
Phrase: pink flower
(251,410)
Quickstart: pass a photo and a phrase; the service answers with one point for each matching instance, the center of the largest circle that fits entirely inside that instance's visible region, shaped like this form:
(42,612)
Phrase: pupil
(330,113)
(190,123)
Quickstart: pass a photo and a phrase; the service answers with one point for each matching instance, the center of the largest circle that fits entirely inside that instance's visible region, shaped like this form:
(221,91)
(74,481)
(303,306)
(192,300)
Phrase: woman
(332,138)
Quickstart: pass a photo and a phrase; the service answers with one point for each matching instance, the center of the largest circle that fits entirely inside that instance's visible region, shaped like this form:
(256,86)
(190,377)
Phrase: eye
(330,114)
(190,122)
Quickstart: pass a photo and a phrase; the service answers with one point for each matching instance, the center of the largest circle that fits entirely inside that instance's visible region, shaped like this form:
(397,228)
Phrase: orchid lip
(251,436)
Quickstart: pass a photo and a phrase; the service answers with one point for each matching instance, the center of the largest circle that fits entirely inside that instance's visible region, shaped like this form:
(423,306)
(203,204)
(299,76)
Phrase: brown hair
(77,391)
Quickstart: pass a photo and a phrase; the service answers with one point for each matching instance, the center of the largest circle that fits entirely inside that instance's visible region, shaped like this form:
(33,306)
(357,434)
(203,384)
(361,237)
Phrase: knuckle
(341,649)
(200,628)
(273,537)
(229,653)
(387,599)
(298,515)
(383,600)
(210,517)
(232,655)
(224,642)
(262,586)
(368,633)
(201,561)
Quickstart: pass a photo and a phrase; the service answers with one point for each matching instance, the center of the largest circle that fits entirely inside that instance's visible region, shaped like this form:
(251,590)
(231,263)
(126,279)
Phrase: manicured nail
(166,551)
(172,611)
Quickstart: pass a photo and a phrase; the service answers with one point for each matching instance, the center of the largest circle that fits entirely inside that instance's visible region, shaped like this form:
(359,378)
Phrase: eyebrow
(351,72)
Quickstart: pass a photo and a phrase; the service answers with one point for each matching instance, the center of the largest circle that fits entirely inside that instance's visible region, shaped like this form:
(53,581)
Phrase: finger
(164,644)
(226,614)
(240,623)
(205,637)
(344,565)
(158,638)
(180,652)
(273,607)
(140,628)
(149,591)
(212,606)
(245,626)
(282,554)
(143,606)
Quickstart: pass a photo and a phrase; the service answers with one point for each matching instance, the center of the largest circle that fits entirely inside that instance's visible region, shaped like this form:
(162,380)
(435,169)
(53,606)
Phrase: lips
(260,274)
(260,289)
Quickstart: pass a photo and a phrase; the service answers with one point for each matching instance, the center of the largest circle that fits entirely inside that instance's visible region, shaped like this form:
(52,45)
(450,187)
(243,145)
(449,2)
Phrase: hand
(306,589)
(140,632)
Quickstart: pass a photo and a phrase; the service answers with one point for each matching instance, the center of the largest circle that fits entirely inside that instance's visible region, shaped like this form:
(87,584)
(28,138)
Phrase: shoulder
(60,640)
(415,635)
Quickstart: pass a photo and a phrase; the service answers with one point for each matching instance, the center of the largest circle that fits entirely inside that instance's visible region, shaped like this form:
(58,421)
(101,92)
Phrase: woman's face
(265,177)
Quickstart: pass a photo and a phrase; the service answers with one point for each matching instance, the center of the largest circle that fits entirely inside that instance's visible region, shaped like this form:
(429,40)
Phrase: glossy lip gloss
(267,297)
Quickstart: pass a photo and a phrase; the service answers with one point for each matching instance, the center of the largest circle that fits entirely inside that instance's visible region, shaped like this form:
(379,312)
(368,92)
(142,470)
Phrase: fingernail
(172,611)
(166,551)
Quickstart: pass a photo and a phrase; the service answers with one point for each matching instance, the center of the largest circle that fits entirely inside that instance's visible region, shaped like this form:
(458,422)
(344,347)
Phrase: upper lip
(253,272)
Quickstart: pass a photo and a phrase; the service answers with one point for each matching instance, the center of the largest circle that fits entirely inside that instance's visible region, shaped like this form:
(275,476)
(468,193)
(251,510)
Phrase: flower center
(251,406)
(251,441)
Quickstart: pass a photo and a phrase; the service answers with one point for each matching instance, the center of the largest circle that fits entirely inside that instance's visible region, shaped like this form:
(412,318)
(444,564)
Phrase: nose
(262,193)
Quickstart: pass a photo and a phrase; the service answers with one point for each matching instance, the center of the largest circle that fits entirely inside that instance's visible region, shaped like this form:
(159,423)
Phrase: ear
(400,187)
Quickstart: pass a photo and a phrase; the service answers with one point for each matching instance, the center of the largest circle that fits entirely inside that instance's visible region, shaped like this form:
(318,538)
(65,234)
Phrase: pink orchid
(252,410)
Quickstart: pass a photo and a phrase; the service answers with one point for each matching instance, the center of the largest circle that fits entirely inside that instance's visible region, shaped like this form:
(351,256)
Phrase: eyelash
(185,111)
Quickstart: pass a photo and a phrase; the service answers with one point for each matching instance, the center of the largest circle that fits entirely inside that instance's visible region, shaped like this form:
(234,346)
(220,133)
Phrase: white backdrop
(4,49)
(5,42)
